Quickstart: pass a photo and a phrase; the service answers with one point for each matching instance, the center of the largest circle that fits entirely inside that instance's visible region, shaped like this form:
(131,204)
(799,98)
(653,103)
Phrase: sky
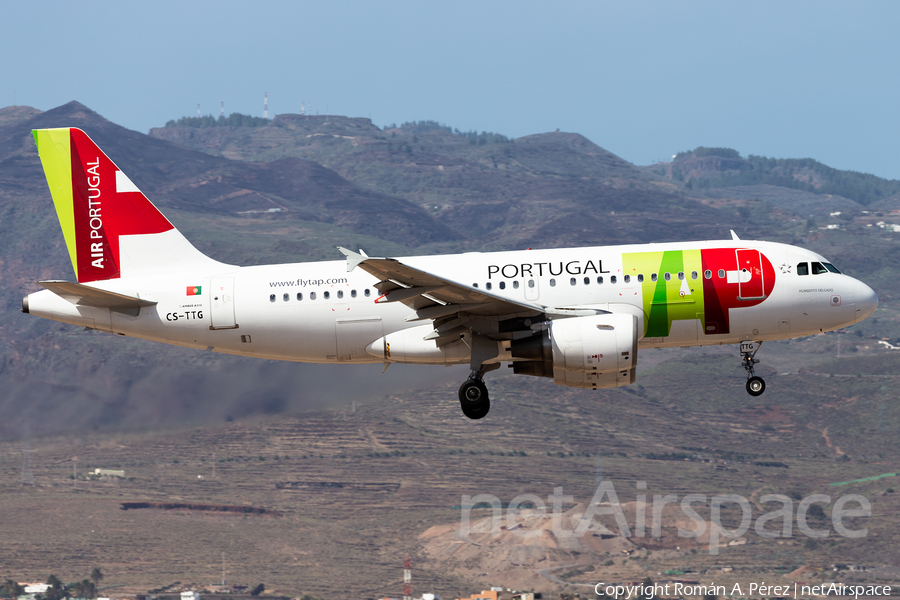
(641,79)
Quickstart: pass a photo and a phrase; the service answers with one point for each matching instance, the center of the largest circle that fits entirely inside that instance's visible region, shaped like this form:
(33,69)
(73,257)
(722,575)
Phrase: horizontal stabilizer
(85,295)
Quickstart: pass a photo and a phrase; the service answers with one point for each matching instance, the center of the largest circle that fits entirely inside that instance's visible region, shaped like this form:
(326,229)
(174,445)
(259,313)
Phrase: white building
(109,473)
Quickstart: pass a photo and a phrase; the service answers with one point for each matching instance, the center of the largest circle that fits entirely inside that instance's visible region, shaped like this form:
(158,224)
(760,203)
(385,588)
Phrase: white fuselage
(319,312)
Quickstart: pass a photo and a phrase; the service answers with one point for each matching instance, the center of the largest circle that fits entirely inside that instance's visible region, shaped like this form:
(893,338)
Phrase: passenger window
(612,278)
(286,297)
(640,277)
(531,283)
(627,278)
(573,281)
(340,293)
(353,293)
(326,295)
(831,268)
(366,293)
(654,277)
(668,276)
(312,295)
(600,280)
(299,296)
(487,286)
(272,298)
(502,285)
(680,275)
(474,285)
(818,268)
(552,283)
(803,269)
(721,273)
(708,274)
(693,274)
(587,281)
(515,285)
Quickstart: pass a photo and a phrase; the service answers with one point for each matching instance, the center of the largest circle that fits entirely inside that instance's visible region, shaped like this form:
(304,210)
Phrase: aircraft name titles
(556,268)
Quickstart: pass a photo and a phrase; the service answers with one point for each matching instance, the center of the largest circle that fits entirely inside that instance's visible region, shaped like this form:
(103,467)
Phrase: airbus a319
(576,315)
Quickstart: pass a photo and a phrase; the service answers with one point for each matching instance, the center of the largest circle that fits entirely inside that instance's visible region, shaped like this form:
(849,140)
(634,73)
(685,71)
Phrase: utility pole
(27,477)
(407,580)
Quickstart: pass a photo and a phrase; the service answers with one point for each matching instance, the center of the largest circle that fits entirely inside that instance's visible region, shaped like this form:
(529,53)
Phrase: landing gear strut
(473,396)
(755,384)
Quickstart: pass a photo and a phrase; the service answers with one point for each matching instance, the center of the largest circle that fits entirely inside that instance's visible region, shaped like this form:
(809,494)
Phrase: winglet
(734,236)
(353,258)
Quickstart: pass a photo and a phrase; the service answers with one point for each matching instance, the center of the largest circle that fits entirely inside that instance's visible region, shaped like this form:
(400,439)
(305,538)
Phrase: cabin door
(750,275)
(221,302)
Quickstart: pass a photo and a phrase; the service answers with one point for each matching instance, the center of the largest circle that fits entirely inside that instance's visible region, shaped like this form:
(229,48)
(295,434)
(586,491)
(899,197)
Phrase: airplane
(576,315)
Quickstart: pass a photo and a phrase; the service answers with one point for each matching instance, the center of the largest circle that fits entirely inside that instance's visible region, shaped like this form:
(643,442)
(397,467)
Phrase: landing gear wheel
(756,386)
(473,399)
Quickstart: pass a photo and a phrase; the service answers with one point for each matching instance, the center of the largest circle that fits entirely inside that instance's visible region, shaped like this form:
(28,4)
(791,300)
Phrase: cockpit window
(803,269)
(831,268)
(818,268)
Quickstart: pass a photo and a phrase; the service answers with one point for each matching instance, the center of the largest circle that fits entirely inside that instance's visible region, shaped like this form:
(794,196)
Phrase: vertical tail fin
(111,229)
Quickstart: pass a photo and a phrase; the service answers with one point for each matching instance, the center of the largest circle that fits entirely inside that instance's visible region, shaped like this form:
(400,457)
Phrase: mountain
(362,468)
(493,192)
(414,189)
(704,168)
(186,180)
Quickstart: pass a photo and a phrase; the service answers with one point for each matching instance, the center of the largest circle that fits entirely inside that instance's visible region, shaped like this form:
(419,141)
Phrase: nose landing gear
(755,384)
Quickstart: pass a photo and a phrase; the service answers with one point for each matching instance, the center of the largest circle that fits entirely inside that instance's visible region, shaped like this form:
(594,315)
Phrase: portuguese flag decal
(193,290)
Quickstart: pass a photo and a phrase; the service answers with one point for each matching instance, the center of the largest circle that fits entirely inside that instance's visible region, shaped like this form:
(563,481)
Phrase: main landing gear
(473,394)
(755,384)
(473,397)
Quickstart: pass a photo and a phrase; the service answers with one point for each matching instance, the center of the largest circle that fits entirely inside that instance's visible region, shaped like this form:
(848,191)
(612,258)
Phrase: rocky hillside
(293,189)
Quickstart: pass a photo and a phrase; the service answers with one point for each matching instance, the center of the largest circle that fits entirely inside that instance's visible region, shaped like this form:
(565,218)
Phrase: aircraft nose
(866,301)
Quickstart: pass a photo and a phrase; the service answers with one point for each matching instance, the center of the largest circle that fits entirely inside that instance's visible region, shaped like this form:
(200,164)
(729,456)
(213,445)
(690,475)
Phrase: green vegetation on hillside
(232,120)
(703,151)
(804,174)
(475,138)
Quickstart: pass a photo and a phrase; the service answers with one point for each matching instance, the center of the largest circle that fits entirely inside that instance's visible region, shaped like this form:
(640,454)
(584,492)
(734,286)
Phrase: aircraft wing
(434,296)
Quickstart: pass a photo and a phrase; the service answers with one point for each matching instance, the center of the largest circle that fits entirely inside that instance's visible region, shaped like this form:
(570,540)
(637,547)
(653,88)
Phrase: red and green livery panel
(95,202)
(704,285)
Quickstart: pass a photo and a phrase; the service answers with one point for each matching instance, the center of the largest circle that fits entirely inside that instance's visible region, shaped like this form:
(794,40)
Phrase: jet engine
(586,352)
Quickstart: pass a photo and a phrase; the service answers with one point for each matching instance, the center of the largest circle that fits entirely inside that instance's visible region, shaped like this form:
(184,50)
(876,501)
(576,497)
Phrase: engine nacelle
(590,352)
(593,380)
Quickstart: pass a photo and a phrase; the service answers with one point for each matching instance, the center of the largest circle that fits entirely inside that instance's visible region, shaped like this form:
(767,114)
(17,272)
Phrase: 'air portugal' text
(96,220)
